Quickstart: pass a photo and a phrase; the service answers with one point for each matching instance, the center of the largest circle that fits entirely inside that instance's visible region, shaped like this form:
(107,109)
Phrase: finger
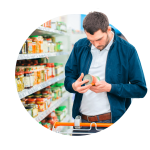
(84,91)
(81,77)
(85,87)
(98,83)
(93,88)
(83,82)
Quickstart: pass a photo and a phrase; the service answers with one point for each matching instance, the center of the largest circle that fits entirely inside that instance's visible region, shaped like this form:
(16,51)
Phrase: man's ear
(109,28)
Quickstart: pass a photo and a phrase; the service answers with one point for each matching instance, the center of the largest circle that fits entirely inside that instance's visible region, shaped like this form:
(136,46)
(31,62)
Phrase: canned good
(92,79)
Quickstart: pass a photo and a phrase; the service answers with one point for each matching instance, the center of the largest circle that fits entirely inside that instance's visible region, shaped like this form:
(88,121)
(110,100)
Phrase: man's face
(100,39)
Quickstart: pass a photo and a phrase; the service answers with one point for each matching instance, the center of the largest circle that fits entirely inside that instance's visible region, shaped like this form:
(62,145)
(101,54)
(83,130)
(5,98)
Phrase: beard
(101,47)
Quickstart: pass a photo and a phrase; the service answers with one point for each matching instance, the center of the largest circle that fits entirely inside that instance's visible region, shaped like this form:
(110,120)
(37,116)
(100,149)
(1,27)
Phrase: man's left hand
(101,86)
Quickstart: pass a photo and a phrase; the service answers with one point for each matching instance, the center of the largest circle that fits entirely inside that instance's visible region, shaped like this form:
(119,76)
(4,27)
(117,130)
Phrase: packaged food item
(45,125)
(47,24)
(30,96)
(62,88)
(49,70)
(61,109)
(27,76)
(53,70)
(51,115)
(34,110)
(33,47)
(32,75)
(29,108)
(38,92)
(49,41)
(41,101)
(35,74)
(19,77)
(37,95)
(31,101)
(29,46)
(43,121)
(42,72)
(48,126)
(36,40)
(54,93)
(60,46)
(49,101)
(45,46)
(58,68)
(45,73)
(56,47)
(19,69)
(40,39)
(38,74)
(23,100)
(62,26)
(92,79)
(41,107)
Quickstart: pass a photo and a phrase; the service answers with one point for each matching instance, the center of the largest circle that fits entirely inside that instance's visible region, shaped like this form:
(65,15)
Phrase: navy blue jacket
(123,71)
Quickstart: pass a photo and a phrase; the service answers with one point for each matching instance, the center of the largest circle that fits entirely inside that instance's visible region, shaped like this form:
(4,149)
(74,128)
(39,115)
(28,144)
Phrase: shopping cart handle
(82,124)
(77,123)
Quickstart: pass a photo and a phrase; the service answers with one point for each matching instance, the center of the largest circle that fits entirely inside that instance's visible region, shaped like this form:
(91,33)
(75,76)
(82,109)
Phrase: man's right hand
(77,85)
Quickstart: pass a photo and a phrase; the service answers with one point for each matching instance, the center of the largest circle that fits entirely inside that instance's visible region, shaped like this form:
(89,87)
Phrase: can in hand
(92,79)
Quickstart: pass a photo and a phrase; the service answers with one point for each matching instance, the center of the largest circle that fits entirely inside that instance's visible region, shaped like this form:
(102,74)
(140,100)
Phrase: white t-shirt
(96,103)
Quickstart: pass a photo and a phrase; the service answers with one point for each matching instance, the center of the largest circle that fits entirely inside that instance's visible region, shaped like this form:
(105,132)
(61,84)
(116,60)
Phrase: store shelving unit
(40,86)
(53,106)
(41,55)
(52,57)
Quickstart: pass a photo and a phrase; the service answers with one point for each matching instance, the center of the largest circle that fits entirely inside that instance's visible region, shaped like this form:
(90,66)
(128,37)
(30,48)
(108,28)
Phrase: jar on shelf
(53,70)
(45,46)
(19,77)
(34,110)
(19,69)
(33,47)
(49,41)
(30,96)
(27,76)
(28,108)
(36,40)
(43,121)
(38,74)
(41,104)
(31,101)
(35,61)
(49,70)
(35,74)
(60,48)
(29,45)
(40,44)
(23,49)
(37,95)
(31,69)
(49,101)
(56,47)
(42,72)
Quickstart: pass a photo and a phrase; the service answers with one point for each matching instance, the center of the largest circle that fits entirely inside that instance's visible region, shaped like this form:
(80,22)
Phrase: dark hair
(95,21)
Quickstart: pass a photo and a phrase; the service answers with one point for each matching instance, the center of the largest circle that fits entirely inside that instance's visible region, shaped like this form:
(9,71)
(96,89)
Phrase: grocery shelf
(44,31)
(53,106)
(40,86)
(41,55)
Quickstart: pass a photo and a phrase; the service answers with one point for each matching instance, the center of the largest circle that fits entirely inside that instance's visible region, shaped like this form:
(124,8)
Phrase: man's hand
(101,86)
(77,85)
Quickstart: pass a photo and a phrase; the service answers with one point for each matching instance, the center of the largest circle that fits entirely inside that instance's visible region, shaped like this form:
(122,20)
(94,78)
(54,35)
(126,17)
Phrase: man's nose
(96,44)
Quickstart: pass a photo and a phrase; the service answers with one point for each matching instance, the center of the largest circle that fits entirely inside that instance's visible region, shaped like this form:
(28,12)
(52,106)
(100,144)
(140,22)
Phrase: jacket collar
(115,38)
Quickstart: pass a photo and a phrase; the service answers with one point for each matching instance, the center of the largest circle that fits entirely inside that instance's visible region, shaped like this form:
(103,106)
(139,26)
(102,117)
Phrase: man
(115,61)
